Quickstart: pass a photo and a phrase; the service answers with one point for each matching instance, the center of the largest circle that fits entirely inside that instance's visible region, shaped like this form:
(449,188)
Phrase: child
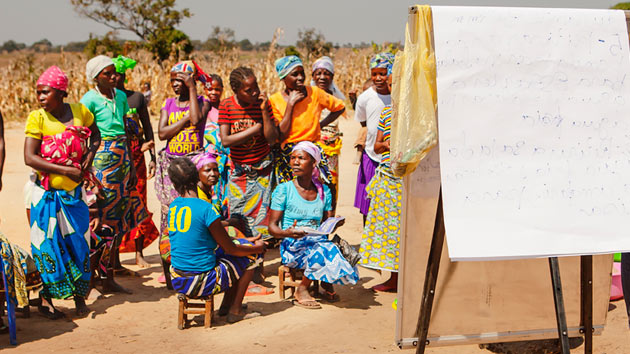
(204,260)
(369,106)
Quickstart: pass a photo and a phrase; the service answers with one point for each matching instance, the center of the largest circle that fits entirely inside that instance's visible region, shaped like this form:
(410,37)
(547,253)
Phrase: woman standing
(140,135)
(56,147)
(330,141)
(298,109)
(247,128)
(113,165)
(182,124)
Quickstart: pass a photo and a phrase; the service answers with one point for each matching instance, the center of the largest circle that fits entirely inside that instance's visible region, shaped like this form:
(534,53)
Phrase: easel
(586,292)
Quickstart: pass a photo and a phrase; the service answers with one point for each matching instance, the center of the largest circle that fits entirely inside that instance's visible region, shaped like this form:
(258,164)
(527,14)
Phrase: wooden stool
(195,308)
(284,283)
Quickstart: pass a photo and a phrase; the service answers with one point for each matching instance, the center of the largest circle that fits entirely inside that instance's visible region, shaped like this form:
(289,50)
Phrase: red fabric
(147,227)
(55,78)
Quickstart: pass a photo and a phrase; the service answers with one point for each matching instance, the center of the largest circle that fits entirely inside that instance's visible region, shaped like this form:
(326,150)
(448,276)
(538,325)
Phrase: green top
(108,114)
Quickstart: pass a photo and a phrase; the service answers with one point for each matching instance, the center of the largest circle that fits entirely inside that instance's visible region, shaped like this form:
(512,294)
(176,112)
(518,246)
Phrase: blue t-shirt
(287,199)
(192,245)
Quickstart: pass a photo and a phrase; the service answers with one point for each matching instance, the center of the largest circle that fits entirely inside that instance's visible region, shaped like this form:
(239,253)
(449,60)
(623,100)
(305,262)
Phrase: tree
(153,21)
(43,45)
(12,45)
(220,39)
(245,45)
(107,45)
(313,42)
(622,6)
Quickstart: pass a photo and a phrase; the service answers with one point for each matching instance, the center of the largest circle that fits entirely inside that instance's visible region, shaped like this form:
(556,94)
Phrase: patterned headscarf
(312,150)
(123,64)
(383,60)
(95,65)
(189,66)
(204,159)
(286,64)
(55,78)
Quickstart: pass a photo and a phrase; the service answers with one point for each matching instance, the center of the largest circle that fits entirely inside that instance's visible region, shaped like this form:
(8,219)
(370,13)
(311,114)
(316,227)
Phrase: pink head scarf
(204,159)
(312,150)
(55,78)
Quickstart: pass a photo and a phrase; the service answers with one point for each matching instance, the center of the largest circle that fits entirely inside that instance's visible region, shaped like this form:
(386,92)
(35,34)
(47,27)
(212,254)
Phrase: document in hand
(325,228)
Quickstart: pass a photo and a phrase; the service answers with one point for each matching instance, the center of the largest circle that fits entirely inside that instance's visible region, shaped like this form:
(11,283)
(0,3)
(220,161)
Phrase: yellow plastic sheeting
(414,95)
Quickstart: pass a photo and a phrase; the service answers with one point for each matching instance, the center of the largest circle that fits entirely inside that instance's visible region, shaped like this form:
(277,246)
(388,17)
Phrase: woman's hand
(95,224)
(73,173)
(295,97)
(151,169)
(186,78)
(293,233)
(260,244)
(149,145)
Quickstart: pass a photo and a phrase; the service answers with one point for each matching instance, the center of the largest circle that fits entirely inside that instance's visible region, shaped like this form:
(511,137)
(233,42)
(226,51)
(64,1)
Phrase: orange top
(306,113)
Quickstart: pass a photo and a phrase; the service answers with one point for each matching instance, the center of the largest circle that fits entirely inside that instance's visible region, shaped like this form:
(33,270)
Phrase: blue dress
(316,255)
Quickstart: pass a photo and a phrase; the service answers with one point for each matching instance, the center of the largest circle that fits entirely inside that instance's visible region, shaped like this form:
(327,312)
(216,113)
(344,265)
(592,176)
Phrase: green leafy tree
(43,45)
(622,6)
(220,39)
(107,45)
(12,45)
(313,43)
(153,21)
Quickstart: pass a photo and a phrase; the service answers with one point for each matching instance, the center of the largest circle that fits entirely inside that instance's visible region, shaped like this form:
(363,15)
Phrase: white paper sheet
(534,129)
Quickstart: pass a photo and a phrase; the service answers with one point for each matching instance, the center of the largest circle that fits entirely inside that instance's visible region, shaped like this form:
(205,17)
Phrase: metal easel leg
(586,302)
(430,278)
(558,300)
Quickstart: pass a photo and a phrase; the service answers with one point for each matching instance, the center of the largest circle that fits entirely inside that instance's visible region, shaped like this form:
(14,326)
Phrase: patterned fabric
(100,248)
(283,170)
(319,258)
(324,63)
(249,195)
(191,67)
(146,228)
(330,151)
(227,271)
(286,64)
(381,235)
(16,265)
(222,155)
(190,137)
(59,233)
(65,149)
(316,154)
(384,126)
(383,60)
(166,193)
(120,209)
(55,78)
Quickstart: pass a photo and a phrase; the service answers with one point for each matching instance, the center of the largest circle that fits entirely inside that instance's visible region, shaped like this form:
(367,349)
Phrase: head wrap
(383,60)
(326,63)
(95,65)
(123,64)
(312,150)
(189,66)
(55,78)
(204,159)
(286,64)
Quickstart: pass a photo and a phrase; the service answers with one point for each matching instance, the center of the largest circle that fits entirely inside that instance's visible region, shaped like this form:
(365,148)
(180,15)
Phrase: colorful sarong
(120,210)
(319,258)
(249,195)
(20,271)
(223,163)
(100,249)
(59,234)
(146,228)
(331,148)
(365,174)
(284,173)
(381,235)
(166,193)
(223,276)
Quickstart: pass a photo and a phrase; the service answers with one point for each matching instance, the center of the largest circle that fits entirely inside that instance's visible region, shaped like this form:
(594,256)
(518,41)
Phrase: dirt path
(145,321)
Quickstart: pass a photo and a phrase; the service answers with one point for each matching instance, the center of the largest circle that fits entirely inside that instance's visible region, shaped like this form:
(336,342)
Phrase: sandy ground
(145,321)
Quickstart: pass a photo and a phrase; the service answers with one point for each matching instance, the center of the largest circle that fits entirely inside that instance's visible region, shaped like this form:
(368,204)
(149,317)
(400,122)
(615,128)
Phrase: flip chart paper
(534,130)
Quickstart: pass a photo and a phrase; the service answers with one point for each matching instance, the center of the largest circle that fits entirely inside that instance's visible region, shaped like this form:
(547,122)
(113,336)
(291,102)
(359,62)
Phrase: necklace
(108,100)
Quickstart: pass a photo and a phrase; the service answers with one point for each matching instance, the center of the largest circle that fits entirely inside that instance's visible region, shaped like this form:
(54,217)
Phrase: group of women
(266,167)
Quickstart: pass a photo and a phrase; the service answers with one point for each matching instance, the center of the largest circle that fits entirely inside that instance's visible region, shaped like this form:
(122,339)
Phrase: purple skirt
(367,168)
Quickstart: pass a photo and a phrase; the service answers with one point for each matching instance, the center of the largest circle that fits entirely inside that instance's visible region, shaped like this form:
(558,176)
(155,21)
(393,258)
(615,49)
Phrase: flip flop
(162,279)
(308,304)
(232,318)
(329,296)
(384,288)
(257,289)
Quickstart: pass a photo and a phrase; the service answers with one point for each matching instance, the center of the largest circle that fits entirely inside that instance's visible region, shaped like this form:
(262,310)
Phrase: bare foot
(80,306)
(122,271)
(94,294)
(141,262)
(110,286)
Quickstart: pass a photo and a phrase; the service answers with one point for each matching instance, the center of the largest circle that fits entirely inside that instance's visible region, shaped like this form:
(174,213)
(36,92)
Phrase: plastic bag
(414,95)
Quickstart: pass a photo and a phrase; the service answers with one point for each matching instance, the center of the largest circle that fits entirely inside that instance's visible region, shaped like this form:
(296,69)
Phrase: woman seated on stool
(204,260)
(304,201)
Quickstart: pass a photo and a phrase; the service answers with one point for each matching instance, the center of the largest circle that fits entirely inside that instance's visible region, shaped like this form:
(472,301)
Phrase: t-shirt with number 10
(192,246)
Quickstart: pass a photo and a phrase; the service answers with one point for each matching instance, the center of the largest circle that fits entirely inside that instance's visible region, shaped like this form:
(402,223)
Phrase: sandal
(307,304)
(257,289)
(329,296)
(45,311)
(232,318)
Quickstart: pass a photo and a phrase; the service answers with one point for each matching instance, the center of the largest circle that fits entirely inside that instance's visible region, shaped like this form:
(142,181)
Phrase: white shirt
(369,106)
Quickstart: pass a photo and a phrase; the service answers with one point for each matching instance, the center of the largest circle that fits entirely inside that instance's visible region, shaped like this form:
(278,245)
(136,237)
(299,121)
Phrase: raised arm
(285,124)
(331,117)
(270,130)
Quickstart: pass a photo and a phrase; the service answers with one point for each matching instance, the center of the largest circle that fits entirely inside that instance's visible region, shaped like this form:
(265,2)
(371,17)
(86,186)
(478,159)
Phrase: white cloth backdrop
(534,129)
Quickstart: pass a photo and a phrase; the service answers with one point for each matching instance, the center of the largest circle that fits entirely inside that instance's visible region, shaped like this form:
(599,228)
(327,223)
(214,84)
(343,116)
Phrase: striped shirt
(239,119)
(384,126)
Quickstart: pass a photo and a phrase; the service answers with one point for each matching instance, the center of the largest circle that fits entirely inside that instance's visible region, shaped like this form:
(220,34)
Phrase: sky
(340,21)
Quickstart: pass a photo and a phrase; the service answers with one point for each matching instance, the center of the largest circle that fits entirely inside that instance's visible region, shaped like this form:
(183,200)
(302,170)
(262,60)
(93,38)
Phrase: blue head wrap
(383,60)
(286,64)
